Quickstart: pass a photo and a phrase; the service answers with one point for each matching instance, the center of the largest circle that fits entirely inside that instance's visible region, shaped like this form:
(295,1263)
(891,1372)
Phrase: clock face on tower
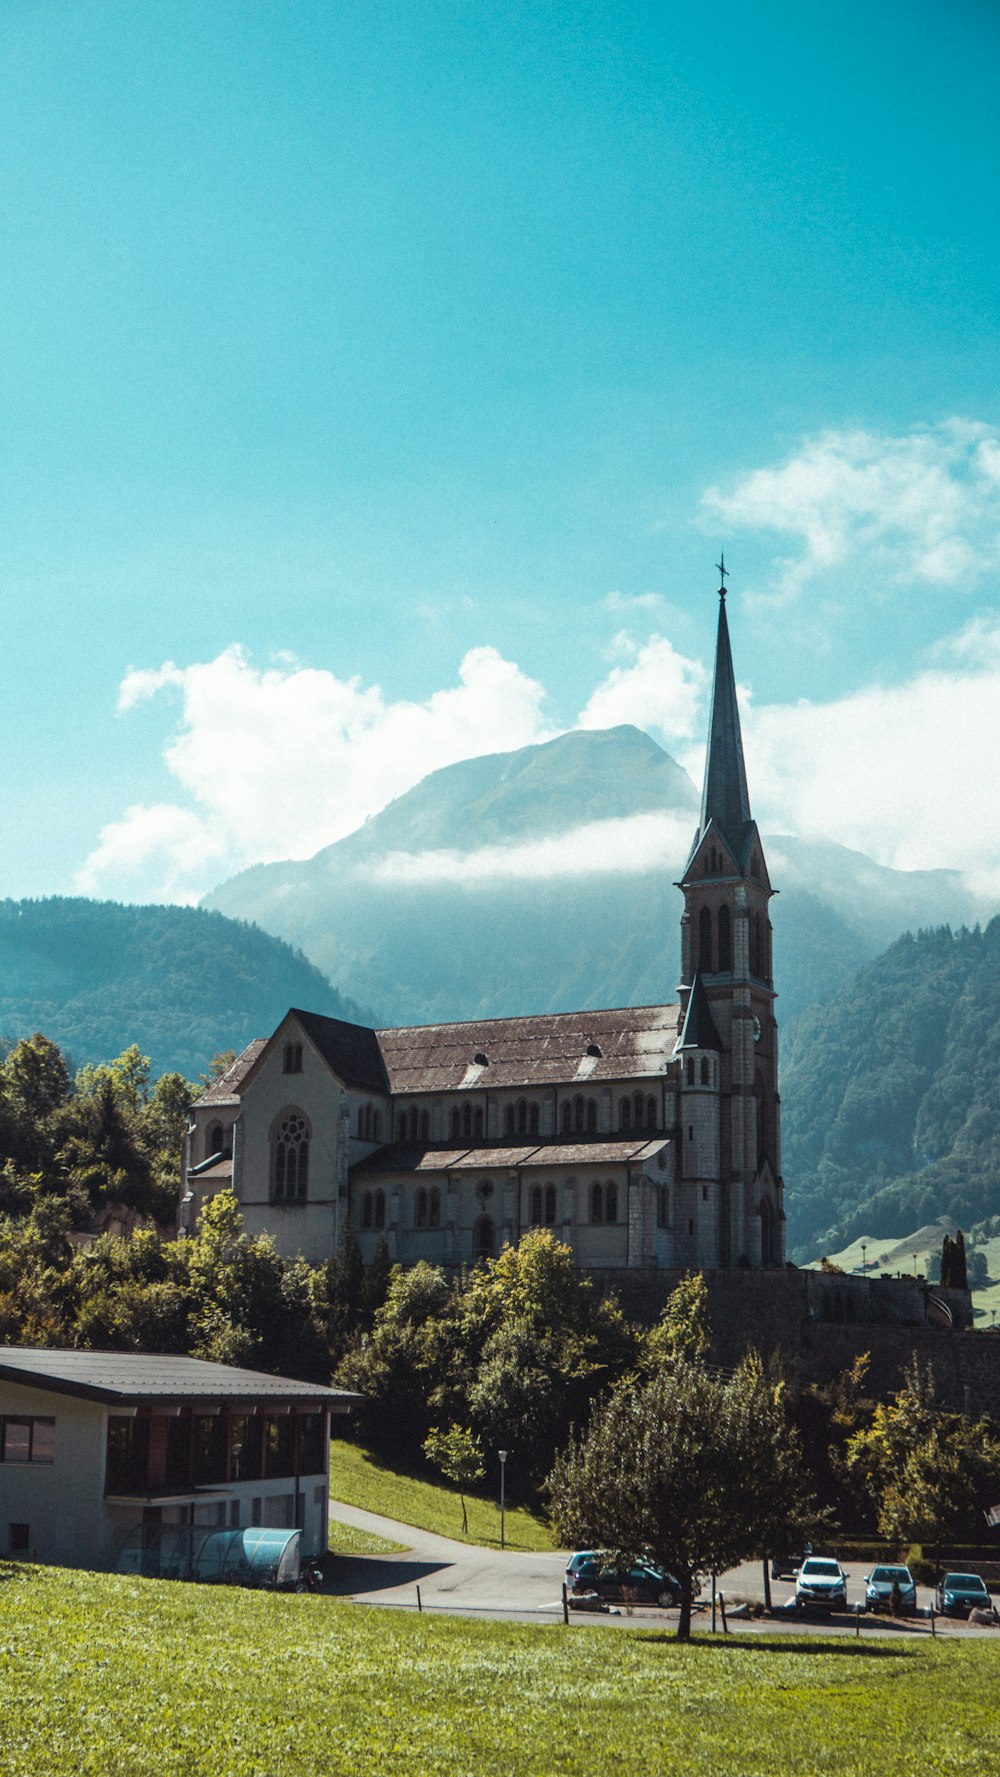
(756,1029)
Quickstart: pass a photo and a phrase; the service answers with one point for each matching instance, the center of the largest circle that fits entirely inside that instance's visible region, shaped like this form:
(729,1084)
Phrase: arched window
(611,1201)
(650,1113)
(361,1122)
(638,1110)
(376,1125)
(725,941)
(482,1239)
(705,941)
(456,1126)
(435,1207)
(760,1101)
(550,1206)
(567,1118)
(596,1204)
(532,1119)
(366,1210)
(291,1158)
(425,1126)
(625,1115)
(522,1117)
(755,945)
(536,1206)
(704,1070)
(591,1116)
(661,1206)
(509,1118)
(414,1123)
(466,1122)
(292,1060)
(768,1243)
(401,1126)
(216,1142)
(477,1123)
(421,1208)
(380,1209)
(690,1070)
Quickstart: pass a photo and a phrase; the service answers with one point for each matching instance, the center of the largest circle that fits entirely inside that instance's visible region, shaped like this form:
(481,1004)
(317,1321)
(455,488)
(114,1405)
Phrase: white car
(821,1584)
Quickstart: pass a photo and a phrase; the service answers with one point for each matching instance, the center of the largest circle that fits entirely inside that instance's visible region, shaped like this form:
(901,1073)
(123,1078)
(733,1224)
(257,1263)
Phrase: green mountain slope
(182,983)
(891,1095)
(404,915)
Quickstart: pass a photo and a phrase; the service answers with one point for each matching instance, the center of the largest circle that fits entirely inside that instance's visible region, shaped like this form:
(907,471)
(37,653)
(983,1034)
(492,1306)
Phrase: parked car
(958,1593)
(821,1584)
(786,1566)
(589,1571)
(879,1584)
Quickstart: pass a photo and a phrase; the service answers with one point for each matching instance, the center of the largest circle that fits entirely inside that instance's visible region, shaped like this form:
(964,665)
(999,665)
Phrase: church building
(644,1137)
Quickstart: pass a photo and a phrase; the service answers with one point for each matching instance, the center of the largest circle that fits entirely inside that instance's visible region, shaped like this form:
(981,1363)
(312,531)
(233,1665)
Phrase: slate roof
(133,1378)
(699,1026)
(406,1157)
(352,1050)
(557,1048)
(227,1089)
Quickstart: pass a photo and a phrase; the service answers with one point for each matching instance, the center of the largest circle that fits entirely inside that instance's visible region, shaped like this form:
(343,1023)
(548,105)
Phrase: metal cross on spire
(723,570)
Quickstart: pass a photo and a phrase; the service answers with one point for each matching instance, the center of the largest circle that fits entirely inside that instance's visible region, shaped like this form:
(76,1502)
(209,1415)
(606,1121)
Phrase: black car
(588,1571)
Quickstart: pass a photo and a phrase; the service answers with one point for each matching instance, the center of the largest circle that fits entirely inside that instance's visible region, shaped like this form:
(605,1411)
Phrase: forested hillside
(179,982)
(891,1095)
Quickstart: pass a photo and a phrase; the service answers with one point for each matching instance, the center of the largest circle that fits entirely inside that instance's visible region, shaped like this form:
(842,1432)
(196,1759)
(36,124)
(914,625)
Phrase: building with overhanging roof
(645,1137)
(98,1448)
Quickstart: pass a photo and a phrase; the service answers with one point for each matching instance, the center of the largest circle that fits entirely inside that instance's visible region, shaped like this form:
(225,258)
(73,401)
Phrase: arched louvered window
(705,941)
(456,1126)
(550,1206)
(466,1122)
(567,1118)
(596,1203)
(414,1123)
(477,1123)
(425,1126)
(611,1201)
(216,1143)
(532,1119)
(650,1113)
(725,941)
(509,1119)
(625,1116)
(704,1070)
(689,1070)
(536,1206)
(591,1116)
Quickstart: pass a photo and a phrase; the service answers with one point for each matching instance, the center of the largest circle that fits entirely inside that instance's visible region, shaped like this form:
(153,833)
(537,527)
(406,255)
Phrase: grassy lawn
(360,1480)
(124,1678)
(346,1540)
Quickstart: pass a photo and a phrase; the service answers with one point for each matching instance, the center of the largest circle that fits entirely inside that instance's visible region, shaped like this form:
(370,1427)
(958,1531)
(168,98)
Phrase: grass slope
(124,1677)
(361,1480)
(913,1252)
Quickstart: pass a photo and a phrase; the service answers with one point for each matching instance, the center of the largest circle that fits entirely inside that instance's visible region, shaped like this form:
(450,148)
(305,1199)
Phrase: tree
(691,1470)
(459,1456)
(930,1472)
(682,1330)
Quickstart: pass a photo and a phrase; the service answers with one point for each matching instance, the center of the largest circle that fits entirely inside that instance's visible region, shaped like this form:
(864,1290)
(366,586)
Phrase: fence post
(419,1600)
(722,1607)
(565,1605)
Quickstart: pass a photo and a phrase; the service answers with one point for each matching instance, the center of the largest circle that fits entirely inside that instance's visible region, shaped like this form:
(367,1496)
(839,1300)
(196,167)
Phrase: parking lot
(469,1581)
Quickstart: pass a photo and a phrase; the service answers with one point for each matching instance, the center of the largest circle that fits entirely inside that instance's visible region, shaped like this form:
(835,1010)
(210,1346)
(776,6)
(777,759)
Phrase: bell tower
(726,968)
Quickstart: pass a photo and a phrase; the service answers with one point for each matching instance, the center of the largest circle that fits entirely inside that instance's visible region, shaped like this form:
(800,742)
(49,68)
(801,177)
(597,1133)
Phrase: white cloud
(924,507)
(282,761)
(619,602)
(905,774)
(636,842)
(658,689)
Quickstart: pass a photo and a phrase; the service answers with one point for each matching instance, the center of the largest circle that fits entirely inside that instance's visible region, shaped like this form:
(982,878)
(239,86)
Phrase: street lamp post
(503,1471)
(864,1259)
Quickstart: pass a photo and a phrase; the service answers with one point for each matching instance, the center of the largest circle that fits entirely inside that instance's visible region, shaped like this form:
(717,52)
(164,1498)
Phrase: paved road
(473,1581)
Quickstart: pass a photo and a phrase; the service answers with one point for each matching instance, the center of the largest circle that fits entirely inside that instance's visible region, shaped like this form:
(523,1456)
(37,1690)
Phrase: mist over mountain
(543,880)
(182,983)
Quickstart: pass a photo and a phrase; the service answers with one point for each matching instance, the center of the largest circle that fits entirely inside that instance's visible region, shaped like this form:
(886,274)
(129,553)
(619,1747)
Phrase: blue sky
(396,374)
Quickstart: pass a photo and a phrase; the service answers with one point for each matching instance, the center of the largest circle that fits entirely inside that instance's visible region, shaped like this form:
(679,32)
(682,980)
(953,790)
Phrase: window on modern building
(421,1208)
(309,1428)
(550,1206)
(279,1446)
(725,941)
(425,1126)
(536,1206)
(705,941)
(290,1171)
(611,1201)
(704,1070)
(210,1453)
(27,1439)
(596,1203)
(245,1431)
(379,1209)
(567,1118)
(292,1060)
(127,1461)
(509,1119)
(435,1207)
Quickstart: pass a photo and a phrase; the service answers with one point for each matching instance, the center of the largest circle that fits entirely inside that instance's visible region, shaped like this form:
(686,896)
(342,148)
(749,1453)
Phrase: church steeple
(725,798)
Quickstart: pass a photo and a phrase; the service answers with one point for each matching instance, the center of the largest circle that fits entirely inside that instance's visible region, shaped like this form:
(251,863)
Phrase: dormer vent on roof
(480,1059)
(594,1049)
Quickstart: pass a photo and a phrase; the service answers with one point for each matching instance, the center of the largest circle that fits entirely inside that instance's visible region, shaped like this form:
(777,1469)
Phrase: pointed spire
(699,1030)
(725,798)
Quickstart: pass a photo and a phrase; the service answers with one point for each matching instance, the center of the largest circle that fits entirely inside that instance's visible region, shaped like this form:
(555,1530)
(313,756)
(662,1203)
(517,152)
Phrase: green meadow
(359,1479)
(100,1674)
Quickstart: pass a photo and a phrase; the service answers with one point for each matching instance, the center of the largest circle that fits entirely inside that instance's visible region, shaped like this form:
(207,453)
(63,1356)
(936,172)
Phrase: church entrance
(482,1240)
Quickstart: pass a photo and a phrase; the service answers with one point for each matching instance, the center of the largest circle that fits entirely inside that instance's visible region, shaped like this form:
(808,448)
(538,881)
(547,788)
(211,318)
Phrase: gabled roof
(129,1377)
(559,1048)
(699,1026)
(226,1090)
(351,1050)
